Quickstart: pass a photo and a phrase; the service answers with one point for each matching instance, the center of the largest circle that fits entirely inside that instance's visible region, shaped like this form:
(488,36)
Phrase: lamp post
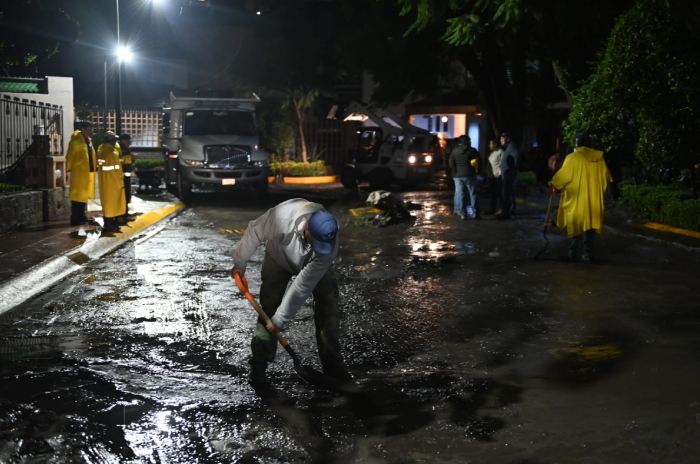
(118,83)
(104,108)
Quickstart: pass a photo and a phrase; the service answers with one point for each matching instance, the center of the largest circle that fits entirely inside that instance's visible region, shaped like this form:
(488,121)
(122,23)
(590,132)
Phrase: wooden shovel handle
(242,284)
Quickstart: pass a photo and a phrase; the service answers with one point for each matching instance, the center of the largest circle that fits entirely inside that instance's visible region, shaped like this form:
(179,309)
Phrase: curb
(48,273)
(304,180)
(672,229)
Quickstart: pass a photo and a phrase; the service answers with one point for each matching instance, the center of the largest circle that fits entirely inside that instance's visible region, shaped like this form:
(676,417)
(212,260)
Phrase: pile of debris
(387,209)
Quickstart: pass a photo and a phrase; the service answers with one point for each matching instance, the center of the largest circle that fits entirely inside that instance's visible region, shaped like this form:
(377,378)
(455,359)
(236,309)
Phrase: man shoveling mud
(300,239)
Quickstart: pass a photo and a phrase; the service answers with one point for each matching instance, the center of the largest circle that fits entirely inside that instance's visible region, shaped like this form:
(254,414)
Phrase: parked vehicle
(388,150)
(211,144)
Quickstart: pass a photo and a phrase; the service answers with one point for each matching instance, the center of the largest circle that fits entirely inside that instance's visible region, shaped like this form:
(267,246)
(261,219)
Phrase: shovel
(308,374)
(546,225)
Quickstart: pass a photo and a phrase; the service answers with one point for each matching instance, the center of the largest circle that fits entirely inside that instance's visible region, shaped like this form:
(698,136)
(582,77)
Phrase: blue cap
(323,228)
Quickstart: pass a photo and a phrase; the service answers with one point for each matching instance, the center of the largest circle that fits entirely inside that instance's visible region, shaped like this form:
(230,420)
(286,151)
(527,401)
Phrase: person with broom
(582,181)
(301,239)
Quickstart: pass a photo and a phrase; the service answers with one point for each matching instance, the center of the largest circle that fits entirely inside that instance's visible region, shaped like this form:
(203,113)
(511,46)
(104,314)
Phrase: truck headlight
(194,163)
(428,159)
(412,159)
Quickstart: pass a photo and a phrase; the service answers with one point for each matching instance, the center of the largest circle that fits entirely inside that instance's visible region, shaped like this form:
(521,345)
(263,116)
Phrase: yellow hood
(591,155)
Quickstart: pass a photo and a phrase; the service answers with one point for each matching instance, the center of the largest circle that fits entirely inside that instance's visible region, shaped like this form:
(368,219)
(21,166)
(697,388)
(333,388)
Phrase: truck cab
(388,150)
(211,144)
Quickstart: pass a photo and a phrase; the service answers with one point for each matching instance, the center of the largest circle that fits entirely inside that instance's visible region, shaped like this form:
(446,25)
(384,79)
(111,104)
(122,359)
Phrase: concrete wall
(29,210)
(21,210)
(61,94)
(55,204)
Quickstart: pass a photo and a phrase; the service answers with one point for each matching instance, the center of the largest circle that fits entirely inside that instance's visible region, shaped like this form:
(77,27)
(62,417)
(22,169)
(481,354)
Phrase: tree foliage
(643,96)
(31,32)
(522,54)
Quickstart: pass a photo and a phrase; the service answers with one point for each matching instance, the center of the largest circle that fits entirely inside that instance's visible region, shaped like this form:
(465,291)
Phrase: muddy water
(466,349)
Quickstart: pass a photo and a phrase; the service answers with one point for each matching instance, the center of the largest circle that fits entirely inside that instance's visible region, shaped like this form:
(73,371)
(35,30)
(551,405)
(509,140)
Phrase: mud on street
(466,349)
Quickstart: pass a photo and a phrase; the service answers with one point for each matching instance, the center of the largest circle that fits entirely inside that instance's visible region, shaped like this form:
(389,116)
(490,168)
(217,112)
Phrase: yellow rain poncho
(582,179)
(81,163)
(111,181)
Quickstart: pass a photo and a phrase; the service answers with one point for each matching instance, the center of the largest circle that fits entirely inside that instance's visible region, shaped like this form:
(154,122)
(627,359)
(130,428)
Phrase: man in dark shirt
(463,165)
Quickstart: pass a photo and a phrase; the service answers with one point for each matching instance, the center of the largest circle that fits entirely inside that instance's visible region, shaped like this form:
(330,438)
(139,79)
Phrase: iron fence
(19,122)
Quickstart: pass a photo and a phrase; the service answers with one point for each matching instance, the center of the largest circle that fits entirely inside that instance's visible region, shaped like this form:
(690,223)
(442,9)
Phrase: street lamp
(118,83)
(124,54)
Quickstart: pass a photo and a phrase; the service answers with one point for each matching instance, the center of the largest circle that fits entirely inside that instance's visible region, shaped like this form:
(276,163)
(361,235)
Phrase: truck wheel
(184,188)
(380,179)
(348,177)
(261,188)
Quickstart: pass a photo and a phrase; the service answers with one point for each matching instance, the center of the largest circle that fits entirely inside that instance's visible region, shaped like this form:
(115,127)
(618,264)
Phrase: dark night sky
(175,44)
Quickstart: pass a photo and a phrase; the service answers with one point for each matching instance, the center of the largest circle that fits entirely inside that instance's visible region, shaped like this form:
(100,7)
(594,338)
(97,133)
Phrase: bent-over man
(301,239)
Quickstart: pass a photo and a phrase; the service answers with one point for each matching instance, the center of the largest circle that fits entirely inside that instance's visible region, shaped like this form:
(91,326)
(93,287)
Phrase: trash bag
(392,209)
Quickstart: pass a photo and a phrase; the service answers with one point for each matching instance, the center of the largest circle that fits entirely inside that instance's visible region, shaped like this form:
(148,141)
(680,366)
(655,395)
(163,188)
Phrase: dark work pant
(508,195)
(77,213)
(127,191)
(495,187)
(586,240)
(326,317)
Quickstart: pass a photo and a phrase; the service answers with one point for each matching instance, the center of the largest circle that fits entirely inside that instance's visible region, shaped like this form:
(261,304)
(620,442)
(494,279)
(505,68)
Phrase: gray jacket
(281,229)
(512,152)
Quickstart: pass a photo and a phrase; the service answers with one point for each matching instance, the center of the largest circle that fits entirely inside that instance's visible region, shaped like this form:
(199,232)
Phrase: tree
(291,57)
(643,96)
(516,50)
(31,33)
(300,99)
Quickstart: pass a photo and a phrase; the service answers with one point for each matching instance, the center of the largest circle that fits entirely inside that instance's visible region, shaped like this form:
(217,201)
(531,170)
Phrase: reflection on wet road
(466,349)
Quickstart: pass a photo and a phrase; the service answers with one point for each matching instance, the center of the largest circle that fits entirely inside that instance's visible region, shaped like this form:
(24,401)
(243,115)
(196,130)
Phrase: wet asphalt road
(466,349)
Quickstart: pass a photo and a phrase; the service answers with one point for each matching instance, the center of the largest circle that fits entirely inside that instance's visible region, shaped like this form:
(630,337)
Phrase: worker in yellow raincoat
(109,169)
(81,164)
(127,157)
(582,180)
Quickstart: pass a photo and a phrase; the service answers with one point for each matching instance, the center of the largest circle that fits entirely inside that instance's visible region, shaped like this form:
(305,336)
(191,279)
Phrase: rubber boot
(257,376)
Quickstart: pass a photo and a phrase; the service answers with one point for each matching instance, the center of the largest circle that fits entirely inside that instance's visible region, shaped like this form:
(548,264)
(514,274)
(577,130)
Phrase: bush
(148,163)
(527,178)
(662,203)
(6,188)
(298,168)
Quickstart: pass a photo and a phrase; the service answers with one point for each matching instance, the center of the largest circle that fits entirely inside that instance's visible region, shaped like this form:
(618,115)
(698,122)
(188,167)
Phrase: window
(219,122)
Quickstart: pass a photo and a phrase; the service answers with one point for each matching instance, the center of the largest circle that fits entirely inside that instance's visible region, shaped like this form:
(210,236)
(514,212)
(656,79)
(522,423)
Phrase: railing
(19,122)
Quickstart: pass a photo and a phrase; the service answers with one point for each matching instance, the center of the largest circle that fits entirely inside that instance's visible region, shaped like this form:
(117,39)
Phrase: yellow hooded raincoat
(81,163)
(111,181)
(582,179)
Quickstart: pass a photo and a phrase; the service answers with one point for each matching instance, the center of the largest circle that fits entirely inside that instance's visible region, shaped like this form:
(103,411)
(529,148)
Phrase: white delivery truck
(211,144)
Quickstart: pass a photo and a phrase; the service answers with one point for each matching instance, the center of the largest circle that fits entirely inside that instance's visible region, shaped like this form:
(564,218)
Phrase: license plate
(228,181)
(421,170)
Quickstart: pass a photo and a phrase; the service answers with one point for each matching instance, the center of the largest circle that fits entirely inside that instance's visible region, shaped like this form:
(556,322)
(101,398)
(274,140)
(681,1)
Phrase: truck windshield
(220,122)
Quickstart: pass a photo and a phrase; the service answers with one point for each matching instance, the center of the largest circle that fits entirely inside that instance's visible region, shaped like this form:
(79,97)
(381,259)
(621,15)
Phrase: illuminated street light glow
(124,54)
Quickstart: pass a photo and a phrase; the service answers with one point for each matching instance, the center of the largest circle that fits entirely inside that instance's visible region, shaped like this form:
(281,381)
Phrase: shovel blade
(319,379)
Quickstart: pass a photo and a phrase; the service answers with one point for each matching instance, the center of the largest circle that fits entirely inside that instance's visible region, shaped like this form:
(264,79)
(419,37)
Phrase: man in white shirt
(300,239)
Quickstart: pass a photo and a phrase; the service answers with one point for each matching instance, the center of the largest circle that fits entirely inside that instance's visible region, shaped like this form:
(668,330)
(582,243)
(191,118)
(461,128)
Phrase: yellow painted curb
(364,211)
(310,180)
(673,230)
(146,220)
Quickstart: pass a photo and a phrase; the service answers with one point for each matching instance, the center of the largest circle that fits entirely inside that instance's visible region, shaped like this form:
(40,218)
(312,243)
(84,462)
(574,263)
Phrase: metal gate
(19,122)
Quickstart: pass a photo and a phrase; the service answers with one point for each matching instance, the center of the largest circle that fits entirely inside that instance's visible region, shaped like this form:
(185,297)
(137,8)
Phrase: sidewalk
(32,261)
